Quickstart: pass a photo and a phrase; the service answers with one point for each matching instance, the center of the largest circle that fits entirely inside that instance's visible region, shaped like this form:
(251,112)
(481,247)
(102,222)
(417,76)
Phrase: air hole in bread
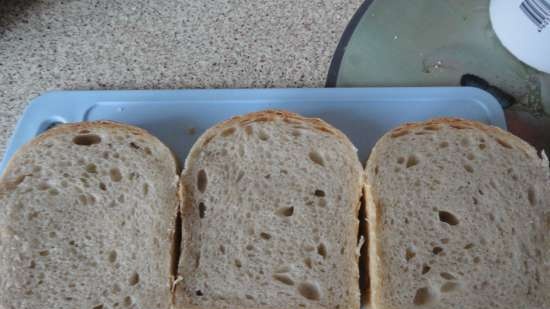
(249,247)
(448,287)
(102,186)
(134,145)
(283,278)
(33,215)
(285,211)
(470,156)
(447,276)
(265,236)
(319,193)
(316,158)
(238,263)
(43,186)
(91,168)
(399,133)
(322,250)
(202,210)
(447,217)
(145,189)
(199,293)
(531,196)
(409,253)
(127,301)
(202,181)
(376,170)
(228,132)
(503,143)
(469,246)
(443,145)
(112,256)
(468,168)
(249,297)
(424,296)
(437,250)
(239,176)
(477,260)
(134,279)
(97,307)
(412,160)
(296,133)
(309,290)
(425,269)
(482,146)
(400,160)
(53,192)
(222,249)
(262,135)
(86,139)
(44,253)
(52,234)
(480,192)
(421,133)
(115,174)
(307,262)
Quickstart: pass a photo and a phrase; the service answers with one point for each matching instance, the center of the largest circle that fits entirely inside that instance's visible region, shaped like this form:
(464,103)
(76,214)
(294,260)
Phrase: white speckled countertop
(138,44)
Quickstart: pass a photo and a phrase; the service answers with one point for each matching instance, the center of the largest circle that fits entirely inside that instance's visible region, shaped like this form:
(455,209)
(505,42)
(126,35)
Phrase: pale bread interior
(87,220)
(270,216)
(459,217)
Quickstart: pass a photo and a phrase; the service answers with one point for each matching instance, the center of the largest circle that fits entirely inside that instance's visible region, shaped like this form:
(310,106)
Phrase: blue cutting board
(178,117)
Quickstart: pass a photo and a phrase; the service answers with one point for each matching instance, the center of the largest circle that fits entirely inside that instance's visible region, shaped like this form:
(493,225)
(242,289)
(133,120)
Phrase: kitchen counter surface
(102,44)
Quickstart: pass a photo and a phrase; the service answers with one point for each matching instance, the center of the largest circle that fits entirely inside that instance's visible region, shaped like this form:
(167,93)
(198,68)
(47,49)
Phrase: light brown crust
(70,128)
(263,116)
(462,124)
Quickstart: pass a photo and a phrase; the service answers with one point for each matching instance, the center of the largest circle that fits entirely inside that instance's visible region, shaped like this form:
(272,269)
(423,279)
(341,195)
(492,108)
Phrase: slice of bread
(86,220)
(459,217)
(270,205)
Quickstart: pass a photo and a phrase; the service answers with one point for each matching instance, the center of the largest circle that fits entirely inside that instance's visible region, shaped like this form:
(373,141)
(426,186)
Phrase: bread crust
(459,123)
(262,116)
(81,126)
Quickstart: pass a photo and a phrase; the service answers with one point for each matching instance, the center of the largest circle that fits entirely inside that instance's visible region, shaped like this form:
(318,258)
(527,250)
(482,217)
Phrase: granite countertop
(103,44)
